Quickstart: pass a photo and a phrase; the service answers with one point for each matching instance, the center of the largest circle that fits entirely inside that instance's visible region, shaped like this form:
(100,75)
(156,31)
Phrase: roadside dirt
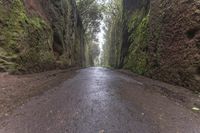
(17,89)
(177,94)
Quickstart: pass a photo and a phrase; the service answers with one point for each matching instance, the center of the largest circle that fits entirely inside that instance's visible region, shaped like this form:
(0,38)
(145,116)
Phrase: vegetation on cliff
(137,58)
(113,35)
(91,14)
(155,38)
(24,39)
(35,38)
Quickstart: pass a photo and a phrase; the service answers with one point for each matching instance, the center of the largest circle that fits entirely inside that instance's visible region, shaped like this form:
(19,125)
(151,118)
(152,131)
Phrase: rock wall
(161,39)
(174,40)
(135,35)
(38,35)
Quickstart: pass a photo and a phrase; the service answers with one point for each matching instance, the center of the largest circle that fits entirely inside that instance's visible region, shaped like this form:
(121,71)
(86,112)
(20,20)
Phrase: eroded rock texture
(174,41)
(161,39)
(38,35)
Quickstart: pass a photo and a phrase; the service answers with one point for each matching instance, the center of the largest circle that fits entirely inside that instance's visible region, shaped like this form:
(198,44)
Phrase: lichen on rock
(161,39)
(137,57)
(30,33)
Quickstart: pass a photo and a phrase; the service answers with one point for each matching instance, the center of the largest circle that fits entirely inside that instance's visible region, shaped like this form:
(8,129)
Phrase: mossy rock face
(137,57)
(26,41)
(38,35)
(158,40)
(163,41)
(68,33)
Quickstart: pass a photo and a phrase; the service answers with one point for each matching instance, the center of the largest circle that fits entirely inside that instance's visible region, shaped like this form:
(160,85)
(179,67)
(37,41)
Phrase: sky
(100,35)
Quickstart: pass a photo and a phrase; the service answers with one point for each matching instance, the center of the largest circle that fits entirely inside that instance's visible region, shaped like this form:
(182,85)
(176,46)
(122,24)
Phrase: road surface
(99,100)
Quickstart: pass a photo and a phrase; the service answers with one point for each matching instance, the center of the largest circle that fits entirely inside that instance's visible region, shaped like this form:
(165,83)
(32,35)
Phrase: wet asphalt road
(98,100)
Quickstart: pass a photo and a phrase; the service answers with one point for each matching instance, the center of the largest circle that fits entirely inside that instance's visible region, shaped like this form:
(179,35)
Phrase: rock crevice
(40,35)
(161,39)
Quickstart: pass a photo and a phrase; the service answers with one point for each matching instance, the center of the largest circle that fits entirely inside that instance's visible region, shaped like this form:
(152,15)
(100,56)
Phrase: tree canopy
(91,14)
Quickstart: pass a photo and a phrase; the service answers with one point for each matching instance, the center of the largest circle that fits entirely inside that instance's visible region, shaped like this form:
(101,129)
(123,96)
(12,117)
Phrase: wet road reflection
(99,99)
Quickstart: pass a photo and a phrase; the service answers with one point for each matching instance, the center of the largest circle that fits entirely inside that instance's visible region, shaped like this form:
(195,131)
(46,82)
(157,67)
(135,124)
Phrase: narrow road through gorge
(100,100)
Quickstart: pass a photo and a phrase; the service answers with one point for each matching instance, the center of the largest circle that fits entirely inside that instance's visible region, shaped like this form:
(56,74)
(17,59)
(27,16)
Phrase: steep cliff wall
(174,41)
(161,38)
(38,35)
(135,35)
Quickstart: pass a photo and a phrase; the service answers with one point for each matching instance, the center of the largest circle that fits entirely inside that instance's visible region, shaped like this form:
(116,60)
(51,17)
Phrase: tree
(113,29)
(91,14)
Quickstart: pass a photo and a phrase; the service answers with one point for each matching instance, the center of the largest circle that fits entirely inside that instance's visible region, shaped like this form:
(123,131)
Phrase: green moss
(137,57)
(26,37)
(7,66)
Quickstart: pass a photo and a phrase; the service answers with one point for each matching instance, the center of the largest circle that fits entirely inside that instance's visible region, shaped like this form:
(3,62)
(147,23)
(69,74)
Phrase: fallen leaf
(143,114)
(101,131)
(196,109)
